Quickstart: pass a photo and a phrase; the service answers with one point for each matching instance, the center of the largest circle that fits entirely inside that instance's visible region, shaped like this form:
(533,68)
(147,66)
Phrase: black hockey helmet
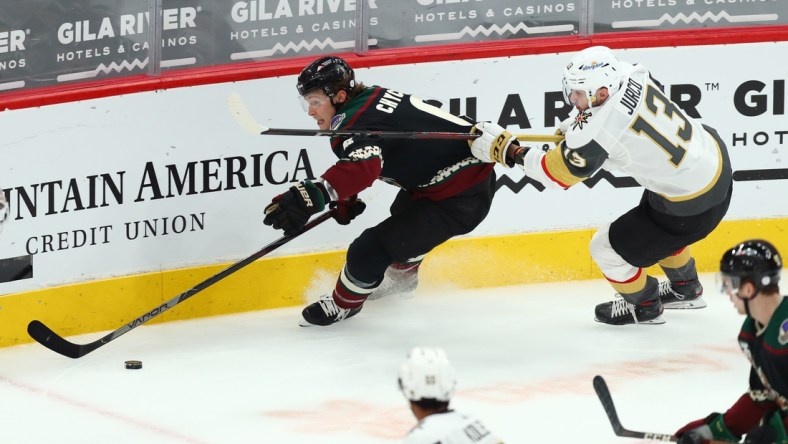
(754,260)
(329,74)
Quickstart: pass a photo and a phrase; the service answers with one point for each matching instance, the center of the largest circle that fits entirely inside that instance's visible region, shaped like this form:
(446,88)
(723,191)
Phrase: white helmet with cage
(427,374)
(590,69)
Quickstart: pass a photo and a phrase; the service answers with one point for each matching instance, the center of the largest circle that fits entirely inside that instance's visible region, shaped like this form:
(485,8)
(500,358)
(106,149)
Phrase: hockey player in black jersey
(749,275)
(445,190)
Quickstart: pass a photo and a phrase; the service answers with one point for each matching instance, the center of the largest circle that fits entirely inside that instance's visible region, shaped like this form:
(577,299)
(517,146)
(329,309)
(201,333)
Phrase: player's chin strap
(747,307)
(747,300)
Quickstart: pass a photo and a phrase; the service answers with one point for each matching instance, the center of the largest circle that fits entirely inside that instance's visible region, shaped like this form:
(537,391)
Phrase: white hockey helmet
(590,69)
(427,374)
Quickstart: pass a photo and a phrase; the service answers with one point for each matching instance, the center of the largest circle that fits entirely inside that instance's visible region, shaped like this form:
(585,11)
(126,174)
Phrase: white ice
(525,357)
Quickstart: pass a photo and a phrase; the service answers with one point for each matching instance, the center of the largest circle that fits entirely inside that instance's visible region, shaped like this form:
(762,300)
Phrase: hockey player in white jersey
(625,122)
(427,380)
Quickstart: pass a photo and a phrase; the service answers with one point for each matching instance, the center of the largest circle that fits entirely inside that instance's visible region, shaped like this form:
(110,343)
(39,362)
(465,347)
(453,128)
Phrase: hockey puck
(133,365)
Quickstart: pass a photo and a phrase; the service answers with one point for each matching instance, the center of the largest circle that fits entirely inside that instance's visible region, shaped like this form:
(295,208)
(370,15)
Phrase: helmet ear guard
(328,74)
(591,69)
(427,374)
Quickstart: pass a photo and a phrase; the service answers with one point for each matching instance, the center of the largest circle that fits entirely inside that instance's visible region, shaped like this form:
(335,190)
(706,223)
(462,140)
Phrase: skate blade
(656,321)
(685,305)
(406,294)
(305,323)
(375,297)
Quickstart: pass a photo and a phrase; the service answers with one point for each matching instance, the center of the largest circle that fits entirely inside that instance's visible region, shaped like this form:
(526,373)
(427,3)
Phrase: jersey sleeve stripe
(555,168)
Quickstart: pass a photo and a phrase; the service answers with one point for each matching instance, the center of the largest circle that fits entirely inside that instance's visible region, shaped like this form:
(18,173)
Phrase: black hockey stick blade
(607,403)
(53,341)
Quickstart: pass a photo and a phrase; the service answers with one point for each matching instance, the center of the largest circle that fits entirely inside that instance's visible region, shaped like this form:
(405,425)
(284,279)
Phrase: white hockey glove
(491,146)
(3,209)
(563,127)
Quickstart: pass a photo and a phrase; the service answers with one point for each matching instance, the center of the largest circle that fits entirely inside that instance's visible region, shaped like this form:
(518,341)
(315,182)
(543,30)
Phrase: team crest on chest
(581,120)
(337,120)
(782,335)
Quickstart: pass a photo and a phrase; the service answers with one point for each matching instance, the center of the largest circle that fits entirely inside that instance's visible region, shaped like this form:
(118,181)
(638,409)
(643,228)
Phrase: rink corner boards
(468,262)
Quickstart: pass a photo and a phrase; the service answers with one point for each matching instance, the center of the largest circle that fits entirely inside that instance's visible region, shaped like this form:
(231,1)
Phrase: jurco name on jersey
(631,96)
(128,24)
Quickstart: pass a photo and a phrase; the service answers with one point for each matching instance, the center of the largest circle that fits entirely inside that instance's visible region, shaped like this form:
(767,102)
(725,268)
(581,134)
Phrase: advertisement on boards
(45,42)
(168,179)
(429,22)
(261,29)
(643,15)
(63,42)
(72,41)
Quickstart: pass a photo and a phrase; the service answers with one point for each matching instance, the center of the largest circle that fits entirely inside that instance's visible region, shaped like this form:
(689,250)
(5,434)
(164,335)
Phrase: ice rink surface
(525,357)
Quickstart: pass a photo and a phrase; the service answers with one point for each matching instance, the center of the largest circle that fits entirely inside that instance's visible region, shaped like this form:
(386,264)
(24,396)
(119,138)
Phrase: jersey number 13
(650,125)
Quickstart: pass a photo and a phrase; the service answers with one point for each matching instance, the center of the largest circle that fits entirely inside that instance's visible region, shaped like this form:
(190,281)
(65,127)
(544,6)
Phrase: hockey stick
(51,340)
(607,403)
(551,138)
(244,118)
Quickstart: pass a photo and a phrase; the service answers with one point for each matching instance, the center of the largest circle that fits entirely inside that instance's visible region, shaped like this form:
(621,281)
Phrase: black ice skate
(325,312)
(396,281)
(681,294)
(621,312)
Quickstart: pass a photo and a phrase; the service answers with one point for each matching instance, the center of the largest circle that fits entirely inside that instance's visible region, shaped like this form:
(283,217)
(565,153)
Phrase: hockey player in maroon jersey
(445,190)
(625,122)
(750,275)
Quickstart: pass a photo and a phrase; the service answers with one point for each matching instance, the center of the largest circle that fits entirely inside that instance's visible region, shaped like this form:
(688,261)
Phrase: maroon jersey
(767,349)
(430,168)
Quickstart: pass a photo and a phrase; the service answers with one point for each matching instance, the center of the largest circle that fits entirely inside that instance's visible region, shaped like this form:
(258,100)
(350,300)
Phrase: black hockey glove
(348,209)
(770,430)
(291,210)
(702,431)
